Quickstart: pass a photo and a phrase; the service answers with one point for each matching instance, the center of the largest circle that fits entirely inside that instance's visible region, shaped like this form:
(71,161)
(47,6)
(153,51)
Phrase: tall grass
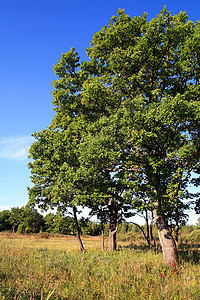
(54,268)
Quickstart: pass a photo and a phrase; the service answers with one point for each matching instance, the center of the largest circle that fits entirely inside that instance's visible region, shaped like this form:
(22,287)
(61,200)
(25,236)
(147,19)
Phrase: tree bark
(102,235)
(177,233)
(13,229)
(170,253)
(112,242)
(151,231)
(78,231)
(147,224)
(177,224)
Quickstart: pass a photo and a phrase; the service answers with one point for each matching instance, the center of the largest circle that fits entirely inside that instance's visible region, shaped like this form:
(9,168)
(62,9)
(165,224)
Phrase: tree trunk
(102,235)
(145,236)
(177,224)
(170,253)
(147,224)
(13,229)
(151,231)
(177,233)
(62,228)
(112,243)
(78,231)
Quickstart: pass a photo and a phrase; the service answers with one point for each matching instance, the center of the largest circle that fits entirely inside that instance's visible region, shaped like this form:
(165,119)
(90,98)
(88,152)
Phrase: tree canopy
(126,128)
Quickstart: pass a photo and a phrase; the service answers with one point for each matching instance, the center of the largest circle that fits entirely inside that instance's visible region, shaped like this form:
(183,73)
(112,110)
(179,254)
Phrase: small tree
(53,173)
(5,223)
(30,220)
(49,222)
(16,217)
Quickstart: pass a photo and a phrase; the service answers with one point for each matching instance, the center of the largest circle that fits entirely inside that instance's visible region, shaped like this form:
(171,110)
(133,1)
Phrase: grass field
(54,268)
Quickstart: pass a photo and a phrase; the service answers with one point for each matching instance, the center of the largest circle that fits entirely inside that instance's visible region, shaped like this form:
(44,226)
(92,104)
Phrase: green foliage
(30,221)
(23,220)
(16,217)
(27,220)
(89,228)
(5,220)
(126,129)
(57,223)
(149,77)
(127,228)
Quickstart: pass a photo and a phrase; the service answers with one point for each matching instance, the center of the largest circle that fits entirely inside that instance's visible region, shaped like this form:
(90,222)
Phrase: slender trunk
(147,223)
(151,231)
(102,236)
(170,253)
(177,224)
(13,229)
(62,228)
(93,229)
(177,233)
(78,231)
(146,238)
(112,243)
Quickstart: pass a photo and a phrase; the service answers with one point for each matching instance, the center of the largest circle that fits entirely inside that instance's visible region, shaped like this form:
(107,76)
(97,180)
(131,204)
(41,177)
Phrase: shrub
(43,235)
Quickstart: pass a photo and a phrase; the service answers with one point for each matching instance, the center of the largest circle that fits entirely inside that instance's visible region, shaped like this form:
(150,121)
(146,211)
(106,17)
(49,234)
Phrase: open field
(54,268)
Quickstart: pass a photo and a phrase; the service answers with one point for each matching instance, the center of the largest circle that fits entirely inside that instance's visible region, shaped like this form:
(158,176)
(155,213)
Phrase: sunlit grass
(54,268)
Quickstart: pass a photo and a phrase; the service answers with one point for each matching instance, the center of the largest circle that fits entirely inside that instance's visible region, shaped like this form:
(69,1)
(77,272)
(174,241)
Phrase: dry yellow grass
(33,268)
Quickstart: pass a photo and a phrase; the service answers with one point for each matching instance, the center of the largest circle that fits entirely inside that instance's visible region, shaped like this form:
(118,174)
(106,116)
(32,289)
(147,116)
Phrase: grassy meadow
(32,267)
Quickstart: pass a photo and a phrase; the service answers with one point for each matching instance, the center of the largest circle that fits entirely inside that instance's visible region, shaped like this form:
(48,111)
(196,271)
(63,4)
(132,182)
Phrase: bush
(43,235)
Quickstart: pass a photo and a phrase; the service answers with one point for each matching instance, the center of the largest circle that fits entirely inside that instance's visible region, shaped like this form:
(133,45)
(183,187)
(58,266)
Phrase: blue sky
(33,35)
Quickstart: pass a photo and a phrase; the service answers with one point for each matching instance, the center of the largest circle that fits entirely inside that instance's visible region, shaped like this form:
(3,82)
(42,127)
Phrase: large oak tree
(130,116)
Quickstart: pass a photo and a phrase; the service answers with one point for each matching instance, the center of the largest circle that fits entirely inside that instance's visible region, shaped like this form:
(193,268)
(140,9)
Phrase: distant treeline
(26,220)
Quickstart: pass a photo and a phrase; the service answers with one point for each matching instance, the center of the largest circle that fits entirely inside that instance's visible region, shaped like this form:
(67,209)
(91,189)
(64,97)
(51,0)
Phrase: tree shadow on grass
(189,252)
(142,247)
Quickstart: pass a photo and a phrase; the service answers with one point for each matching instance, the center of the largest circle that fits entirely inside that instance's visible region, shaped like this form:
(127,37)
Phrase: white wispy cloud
(15,148)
